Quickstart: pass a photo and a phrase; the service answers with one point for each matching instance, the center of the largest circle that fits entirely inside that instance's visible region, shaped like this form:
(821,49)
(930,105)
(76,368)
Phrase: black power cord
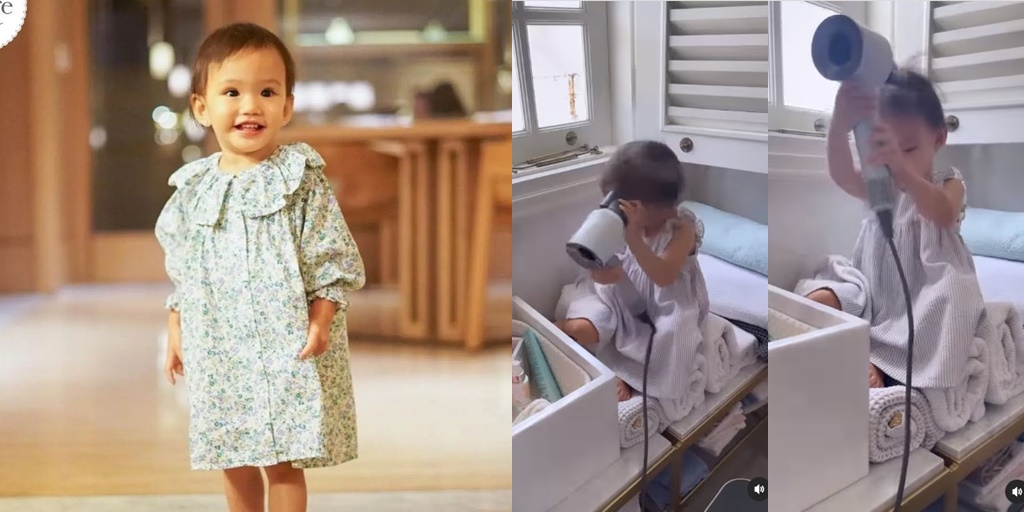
(644,317)
(885,220)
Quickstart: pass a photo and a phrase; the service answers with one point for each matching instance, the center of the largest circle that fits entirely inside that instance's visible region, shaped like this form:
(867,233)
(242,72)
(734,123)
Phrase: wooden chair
(493,191)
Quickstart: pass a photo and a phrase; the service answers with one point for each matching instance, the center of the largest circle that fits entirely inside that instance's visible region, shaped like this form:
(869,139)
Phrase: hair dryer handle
(878,186)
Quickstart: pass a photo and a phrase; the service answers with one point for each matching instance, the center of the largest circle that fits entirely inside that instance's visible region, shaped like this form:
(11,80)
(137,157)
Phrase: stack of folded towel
(1004,334)
(725,431)
(984,489)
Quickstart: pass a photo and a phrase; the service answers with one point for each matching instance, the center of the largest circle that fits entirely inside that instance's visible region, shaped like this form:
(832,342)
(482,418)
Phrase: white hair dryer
(598,240)
(843,50)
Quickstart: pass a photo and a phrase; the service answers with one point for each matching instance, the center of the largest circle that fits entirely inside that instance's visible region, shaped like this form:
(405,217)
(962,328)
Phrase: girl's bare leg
(287,488)
(244,489)
(581,330)
(828,298)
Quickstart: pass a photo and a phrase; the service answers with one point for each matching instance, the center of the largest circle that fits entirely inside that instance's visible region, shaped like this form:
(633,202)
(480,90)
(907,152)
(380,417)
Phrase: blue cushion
(732,238)
(994,233)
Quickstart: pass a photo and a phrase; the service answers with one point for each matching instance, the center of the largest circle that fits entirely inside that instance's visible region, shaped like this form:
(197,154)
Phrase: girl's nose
(250,104)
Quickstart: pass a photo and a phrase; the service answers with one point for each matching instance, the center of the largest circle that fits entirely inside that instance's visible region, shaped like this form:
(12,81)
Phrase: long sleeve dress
(247,254)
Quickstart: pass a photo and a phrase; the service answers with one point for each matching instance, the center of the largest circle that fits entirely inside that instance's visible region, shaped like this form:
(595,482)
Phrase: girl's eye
(910,150)
(267,93)
(231,92)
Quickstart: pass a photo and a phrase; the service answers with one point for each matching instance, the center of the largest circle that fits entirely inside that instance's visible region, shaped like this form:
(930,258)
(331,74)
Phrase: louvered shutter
(977,53)
(717,65)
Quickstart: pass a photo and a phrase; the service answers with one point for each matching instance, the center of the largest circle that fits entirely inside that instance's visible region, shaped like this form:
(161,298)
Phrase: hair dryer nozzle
(842,50)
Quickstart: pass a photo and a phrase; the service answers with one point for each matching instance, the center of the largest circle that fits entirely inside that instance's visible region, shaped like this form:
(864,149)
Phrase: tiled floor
(86,410)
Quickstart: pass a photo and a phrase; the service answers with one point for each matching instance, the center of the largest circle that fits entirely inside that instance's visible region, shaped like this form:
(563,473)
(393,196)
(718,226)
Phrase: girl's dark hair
(232,39)
(912,94)
(645,171)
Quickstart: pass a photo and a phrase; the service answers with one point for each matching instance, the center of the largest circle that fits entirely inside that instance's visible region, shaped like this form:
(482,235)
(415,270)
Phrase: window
(717,58)
(800,97)
(561,98)
(976,57)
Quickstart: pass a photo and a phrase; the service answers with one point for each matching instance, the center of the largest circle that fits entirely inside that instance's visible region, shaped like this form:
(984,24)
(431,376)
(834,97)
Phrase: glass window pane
(518,123)
(802,86)
(559,67)
(554,5)
(141,132)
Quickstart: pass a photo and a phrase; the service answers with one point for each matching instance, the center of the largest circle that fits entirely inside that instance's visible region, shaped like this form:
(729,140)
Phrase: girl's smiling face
(246,104)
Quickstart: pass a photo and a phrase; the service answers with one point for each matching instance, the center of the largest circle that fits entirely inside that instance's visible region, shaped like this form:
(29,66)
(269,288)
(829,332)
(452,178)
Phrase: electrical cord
(885,220)
(644,317)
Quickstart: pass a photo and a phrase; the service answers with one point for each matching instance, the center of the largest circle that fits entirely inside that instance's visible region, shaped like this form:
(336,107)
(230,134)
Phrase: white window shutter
(977,53)
(717,58)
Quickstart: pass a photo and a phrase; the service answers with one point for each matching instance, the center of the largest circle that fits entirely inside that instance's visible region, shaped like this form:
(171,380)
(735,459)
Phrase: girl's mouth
(250,128)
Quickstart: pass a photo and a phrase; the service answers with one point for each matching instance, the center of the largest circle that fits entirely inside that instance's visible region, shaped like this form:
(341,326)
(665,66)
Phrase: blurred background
(408,101)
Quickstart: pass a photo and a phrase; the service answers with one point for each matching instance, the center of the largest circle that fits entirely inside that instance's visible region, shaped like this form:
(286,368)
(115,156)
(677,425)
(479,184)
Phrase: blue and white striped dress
(679,312)
(947,300)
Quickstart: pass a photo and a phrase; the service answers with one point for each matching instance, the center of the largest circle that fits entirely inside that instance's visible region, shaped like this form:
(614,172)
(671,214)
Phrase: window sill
(743,151)
(560,176)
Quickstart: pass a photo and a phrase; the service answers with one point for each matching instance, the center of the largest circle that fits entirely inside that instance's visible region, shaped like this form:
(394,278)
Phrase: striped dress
(947,301)
(679,312)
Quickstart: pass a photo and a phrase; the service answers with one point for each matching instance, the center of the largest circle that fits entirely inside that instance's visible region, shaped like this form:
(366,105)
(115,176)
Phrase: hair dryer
(843,50)
(596,242)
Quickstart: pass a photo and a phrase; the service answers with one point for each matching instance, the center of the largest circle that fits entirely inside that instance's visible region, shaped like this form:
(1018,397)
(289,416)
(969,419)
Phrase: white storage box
(818,384)
(557,450)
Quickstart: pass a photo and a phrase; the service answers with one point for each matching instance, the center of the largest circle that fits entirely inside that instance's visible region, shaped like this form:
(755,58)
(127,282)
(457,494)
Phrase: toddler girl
(660,261)
(261,260)
(939,269)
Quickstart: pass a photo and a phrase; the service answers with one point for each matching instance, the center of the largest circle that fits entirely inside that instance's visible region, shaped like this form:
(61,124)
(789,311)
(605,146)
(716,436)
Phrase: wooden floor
(84,409)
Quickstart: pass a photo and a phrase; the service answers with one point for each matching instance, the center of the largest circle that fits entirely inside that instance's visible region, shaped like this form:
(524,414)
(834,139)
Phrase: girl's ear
(199,110)
(940,139)
(289,109)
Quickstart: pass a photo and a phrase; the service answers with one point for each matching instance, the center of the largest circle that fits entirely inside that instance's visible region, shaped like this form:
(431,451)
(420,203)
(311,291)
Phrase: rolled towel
(1003,332)
(886,429)
(532,408)
(631,423)
(540,371)
(952,408)
(727,350)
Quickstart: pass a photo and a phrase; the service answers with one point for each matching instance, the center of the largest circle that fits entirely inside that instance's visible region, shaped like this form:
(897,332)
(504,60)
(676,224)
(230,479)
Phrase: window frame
(783,119)
(533,142)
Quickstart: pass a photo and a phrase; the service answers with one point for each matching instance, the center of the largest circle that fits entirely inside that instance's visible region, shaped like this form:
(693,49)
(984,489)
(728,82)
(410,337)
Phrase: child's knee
(581,330)
(282,472)
(826,297)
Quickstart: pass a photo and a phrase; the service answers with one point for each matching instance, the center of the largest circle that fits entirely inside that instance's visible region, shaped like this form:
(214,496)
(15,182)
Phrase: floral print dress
(247,254)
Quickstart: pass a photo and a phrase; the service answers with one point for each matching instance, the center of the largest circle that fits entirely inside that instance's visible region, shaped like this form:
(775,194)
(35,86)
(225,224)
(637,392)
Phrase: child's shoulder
(946,173)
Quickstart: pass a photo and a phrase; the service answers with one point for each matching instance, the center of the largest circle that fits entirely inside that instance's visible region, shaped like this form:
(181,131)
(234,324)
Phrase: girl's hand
(317,341)
(173,364)
(610,275)
(636,219)
(854,103)
(885,150)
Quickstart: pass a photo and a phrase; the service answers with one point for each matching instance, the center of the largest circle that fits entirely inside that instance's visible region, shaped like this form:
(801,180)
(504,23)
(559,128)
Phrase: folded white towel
(631,423)
(727,350)
(1003,331)
(724,432)
(952,408)
(984,489)
(886,419)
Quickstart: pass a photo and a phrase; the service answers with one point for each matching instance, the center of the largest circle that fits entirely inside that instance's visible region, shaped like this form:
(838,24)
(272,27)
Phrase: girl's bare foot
(875,379)
(622,390)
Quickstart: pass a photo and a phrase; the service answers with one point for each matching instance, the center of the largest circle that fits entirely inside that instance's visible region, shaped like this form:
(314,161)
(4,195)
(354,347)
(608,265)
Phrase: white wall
(620,49)
(993,174)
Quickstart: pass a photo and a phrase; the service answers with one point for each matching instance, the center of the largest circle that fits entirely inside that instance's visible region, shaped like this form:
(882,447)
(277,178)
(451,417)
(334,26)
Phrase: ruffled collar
(264,189)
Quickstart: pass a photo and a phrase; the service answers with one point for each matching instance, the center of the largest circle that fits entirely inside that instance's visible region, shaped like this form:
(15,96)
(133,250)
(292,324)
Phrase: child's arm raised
(853,104)
(664,269)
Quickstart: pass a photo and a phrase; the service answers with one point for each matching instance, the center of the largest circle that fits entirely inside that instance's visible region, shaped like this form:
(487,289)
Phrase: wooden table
(437,164)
